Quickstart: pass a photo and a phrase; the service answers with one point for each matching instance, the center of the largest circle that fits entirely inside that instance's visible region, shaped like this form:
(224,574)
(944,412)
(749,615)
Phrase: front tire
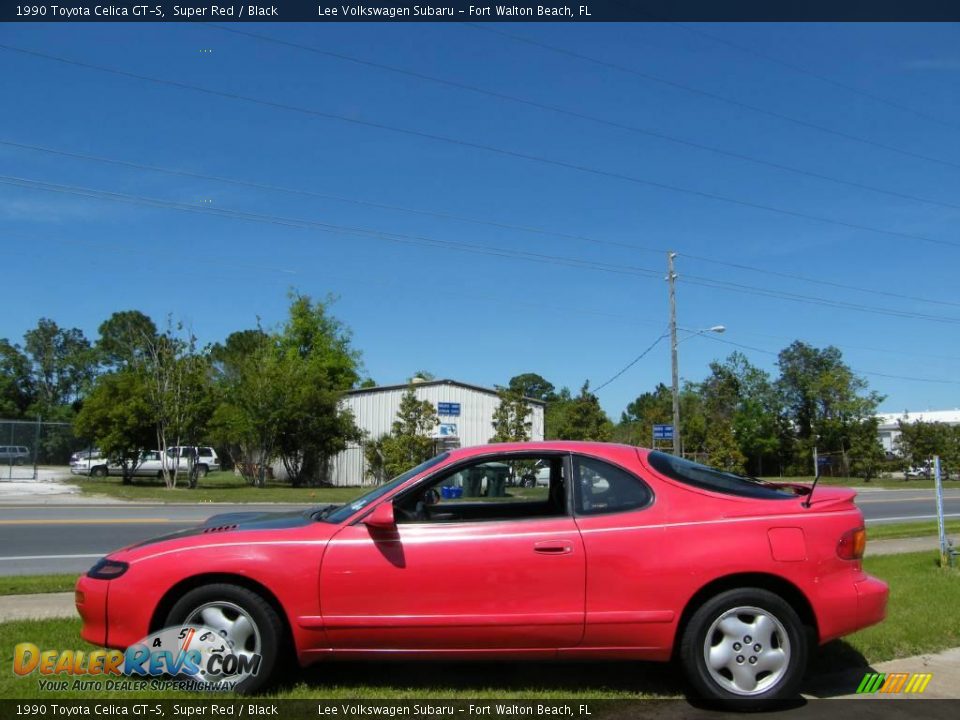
(243,618)
(99,472)
(745,645)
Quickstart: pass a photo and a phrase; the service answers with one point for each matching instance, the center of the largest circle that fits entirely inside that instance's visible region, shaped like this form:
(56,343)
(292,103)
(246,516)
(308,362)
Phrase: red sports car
(627,553)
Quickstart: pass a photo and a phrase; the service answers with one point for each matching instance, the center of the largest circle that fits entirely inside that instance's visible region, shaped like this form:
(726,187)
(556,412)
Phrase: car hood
(239,522)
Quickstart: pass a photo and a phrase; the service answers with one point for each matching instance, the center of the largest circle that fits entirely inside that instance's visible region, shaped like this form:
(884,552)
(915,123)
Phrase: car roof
(587,447)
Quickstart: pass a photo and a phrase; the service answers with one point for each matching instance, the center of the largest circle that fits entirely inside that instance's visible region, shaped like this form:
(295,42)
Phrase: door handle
(553,547)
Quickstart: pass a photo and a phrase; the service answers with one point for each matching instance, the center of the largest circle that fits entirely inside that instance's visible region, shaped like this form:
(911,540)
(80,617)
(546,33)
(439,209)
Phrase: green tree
(116,416)
(578,418)
(920,441)
(510,419)
(409,442)
(62,366)
(823,399)
(722,448)
(178,391)
(742,395)
(279,394)
(866,451)
(16,384)
(250,390)
(320,365)
(124,338)
(533,386)
(645,411)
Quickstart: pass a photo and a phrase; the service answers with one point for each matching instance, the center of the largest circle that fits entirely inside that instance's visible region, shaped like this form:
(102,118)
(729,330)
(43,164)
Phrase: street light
(719,329)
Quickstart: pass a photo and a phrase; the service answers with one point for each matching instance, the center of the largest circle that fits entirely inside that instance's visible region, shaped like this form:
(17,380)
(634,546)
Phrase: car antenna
(813,487)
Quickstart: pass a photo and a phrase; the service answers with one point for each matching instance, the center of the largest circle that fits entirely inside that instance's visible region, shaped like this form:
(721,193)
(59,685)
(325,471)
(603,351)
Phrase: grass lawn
(921,614)
(920,619)
(27,584)
(221,486)
(926,528)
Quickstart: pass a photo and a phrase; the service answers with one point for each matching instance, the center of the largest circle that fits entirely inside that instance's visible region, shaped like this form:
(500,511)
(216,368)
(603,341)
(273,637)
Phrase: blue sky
(481,317)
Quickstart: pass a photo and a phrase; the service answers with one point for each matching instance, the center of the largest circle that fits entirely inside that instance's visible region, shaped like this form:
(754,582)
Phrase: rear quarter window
(708,478)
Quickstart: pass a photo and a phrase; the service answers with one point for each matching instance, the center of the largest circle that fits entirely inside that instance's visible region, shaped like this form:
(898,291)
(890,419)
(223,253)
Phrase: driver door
(504,569)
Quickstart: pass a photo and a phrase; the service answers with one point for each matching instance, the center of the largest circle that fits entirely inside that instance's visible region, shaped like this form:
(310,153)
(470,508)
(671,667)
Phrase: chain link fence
(27,445)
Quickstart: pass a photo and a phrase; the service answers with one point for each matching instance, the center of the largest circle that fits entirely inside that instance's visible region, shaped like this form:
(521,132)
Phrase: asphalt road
(68,538)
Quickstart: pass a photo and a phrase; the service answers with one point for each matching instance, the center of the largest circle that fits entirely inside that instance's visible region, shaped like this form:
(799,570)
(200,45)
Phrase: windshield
(708,478)
(342,513)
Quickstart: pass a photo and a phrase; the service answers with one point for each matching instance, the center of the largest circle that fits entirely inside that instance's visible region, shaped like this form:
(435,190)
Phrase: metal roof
(944,416)
(427,383)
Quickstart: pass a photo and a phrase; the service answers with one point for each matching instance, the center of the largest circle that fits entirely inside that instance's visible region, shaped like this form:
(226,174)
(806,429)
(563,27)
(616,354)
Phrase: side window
(505,488)
(206,452)
(605,488)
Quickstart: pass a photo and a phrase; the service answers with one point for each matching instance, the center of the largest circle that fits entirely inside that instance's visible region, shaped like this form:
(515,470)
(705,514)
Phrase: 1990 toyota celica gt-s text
(628,554)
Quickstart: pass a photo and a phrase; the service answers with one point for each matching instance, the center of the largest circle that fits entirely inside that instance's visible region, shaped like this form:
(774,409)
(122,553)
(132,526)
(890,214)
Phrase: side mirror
(382,517)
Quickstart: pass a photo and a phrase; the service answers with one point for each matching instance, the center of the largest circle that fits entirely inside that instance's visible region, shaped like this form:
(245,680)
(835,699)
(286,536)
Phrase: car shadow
(432,678)
(837,669)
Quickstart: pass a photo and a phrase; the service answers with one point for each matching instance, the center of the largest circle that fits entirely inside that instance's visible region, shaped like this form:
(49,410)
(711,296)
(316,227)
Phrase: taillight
(852,544)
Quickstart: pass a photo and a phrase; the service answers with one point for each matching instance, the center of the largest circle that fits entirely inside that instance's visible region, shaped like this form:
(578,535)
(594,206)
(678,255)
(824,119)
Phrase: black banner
(439,709)
(480,11)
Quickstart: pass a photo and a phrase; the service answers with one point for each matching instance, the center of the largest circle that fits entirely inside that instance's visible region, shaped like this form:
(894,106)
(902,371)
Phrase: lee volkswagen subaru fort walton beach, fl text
(626,554)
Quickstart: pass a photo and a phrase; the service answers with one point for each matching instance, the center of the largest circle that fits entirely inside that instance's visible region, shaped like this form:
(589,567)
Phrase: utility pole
(671,279)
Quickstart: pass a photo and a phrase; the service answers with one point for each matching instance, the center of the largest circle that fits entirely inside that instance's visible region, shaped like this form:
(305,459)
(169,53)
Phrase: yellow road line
(95,521)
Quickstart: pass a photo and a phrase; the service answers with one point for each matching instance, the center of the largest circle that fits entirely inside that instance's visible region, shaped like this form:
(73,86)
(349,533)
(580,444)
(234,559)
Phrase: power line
(583,116)
(814,300)
(712,95)
(492,149)
(855,370)
(633,362)
(817,281)
(810,73)
(461,218)
(300,223)
(461,246)
(592,312)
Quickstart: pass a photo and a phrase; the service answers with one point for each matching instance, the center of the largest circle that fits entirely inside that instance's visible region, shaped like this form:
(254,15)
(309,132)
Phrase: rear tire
(99,472)
(202,471)
(233,603)
(743,646)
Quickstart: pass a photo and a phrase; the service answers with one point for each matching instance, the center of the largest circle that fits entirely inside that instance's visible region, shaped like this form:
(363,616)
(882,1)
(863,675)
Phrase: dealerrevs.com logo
(191,657)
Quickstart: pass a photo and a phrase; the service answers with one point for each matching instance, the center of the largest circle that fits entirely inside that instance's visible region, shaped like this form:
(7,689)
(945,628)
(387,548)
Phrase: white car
(152,462)
(207,459)
(90,463)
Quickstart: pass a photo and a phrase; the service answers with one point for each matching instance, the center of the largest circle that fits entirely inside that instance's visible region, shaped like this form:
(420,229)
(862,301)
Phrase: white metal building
(889,430)
(465,412)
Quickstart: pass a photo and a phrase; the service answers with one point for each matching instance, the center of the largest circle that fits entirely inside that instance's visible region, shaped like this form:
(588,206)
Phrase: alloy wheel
(747,650)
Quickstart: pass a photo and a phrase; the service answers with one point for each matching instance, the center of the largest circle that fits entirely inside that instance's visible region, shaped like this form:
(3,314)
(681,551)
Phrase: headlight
(107,569)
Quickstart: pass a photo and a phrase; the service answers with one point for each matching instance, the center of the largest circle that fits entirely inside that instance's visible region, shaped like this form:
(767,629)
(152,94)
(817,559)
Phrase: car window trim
(478,460)
(631,473)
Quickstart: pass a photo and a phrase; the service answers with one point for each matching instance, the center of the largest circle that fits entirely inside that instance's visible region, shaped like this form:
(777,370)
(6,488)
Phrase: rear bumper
(872,595)
(91,602)
(848,602)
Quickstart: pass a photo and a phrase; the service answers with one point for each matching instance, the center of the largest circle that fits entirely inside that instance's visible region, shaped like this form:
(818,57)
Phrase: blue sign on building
(663,432)
(450,409)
